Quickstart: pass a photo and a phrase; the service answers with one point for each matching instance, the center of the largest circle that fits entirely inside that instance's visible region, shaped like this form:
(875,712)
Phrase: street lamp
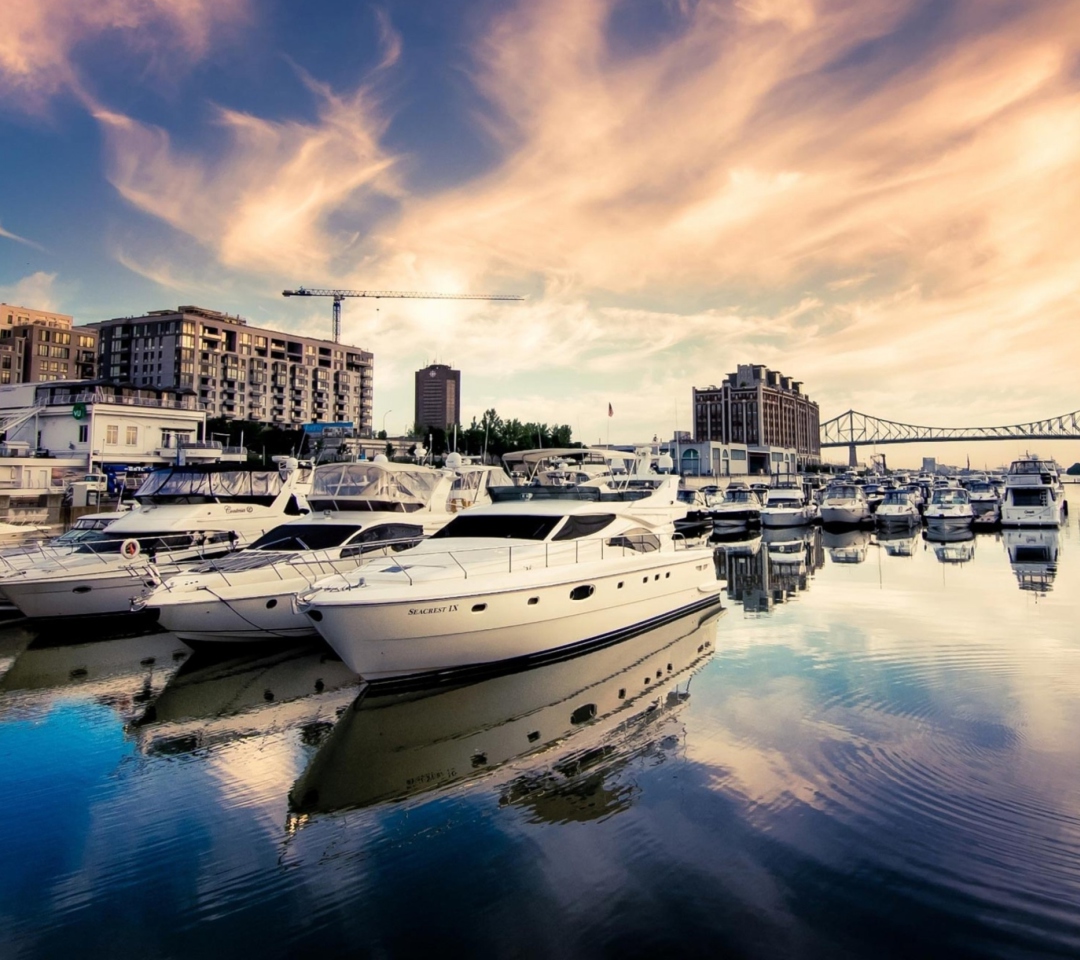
(384,416)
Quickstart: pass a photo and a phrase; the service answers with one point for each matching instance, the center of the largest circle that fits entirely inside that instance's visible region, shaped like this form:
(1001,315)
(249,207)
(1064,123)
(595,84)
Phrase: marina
(868,721)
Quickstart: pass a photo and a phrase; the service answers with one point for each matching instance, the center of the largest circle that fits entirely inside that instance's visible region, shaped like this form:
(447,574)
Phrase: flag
(610,412)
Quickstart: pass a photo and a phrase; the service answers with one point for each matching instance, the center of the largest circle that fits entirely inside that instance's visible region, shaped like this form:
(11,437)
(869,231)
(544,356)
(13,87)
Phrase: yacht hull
(383,638)
(205,617)
(64,597)
(845,515)
(786,518)
(1048,516)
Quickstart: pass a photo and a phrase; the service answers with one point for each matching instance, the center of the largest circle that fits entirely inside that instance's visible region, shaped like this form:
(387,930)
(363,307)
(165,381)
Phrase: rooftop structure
(12,316)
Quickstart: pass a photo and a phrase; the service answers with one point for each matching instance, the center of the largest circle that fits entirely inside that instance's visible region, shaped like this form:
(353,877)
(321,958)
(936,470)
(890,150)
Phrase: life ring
(130,548)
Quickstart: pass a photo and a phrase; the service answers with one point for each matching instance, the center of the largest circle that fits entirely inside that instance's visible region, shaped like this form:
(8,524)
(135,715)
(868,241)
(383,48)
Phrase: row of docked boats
(1031,494)
(402,569)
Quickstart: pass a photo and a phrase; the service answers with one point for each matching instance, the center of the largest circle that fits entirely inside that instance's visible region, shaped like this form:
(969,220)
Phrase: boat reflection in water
(846,546)
(898,542)
(773,567)
(125,673)
(214,699)
(578,716)
(1033,556)
(951,544)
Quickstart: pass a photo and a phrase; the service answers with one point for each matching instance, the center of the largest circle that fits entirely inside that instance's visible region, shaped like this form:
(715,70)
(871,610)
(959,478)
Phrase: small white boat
(1034,495)
(899,509)
(787,507)
(844,503)
(513,582)
(740,507)
(949,506)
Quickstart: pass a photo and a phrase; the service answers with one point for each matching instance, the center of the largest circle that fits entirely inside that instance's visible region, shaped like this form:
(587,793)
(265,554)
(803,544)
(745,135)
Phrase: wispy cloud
(8,235)
(35,290)
(40,41)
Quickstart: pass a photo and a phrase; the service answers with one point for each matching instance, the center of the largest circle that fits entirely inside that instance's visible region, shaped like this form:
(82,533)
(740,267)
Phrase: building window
(132,437)
(84,432)
(112,433)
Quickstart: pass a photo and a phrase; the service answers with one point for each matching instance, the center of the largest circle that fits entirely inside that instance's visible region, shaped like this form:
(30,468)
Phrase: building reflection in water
(772,567)
(577,720)
(1033,556)
(951,544)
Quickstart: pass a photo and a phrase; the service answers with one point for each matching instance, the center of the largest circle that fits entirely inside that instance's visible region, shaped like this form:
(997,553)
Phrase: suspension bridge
(854,429)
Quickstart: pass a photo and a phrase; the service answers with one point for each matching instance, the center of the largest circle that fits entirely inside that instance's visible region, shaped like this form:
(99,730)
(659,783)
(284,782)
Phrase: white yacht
(1034,495)
(984,495)
(361,509)
(740,508)
(844,503)
(787,507)
(511,582)
(949,506)
(899,509)
(186,514)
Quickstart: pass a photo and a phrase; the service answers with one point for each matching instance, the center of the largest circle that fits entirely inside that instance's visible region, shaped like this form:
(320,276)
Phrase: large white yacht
(844,503)
(1034,495)
(511,582)
(186,514)
(788,507)
(360,509)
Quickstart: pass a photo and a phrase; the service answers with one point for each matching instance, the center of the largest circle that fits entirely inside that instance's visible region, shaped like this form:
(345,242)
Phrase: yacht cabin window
(499,527)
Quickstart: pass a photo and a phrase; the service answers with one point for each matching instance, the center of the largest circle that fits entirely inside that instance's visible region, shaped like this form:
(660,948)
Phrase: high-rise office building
(239,371)
(438,396)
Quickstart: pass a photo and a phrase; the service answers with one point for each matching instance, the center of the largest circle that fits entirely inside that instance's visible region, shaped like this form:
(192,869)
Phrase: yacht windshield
(305,536)
(201,485)
(741,496)
(897,497)
(372,486)
(843,493)
(502,527)
(950,497)
(1032,467)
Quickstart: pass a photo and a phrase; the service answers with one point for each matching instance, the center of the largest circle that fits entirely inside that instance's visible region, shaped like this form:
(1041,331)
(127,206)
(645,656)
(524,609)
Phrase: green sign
(79,411)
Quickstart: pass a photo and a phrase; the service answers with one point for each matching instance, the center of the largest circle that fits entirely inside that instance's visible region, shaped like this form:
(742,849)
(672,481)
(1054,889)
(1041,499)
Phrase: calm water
(875,751)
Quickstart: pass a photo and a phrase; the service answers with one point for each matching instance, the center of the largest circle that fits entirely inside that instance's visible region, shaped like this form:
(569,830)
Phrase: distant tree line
(495,435)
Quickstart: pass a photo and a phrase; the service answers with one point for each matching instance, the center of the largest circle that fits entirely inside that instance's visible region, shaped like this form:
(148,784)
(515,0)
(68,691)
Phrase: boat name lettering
(446,608)
(238,509)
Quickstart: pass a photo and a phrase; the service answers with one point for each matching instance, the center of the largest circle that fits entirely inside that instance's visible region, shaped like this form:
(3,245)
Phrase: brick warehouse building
(764,410)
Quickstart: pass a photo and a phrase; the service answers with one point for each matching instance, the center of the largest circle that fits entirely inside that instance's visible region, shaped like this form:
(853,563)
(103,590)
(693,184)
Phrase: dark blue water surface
(875,751)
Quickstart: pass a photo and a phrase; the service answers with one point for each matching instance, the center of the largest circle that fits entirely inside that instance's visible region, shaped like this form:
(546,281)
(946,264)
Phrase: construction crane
(340,295)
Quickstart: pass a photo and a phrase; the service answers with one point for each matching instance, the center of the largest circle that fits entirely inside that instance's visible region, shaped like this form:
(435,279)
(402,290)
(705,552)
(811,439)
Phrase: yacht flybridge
(1034,495)
(514,582)
(186,514)
(362,509)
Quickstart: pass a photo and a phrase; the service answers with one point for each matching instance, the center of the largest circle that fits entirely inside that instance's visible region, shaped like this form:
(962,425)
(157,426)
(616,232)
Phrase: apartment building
(239,371)
(764,410)
(438,396)
(40,345)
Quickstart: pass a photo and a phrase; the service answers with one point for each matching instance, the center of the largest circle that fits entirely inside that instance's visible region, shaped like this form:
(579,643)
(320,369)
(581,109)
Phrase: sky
(880,198)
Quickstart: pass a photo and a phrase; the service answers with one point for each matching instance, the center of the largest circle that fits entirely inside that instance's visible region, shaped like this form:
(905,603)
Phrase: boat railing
(517,557)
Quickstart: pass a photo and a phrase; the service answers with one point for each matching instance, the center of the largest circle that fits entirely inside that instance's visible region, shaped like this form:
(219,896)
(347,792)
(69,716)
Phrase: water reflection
(847,546)
(771,567)
(219,699)
(593,709)
(125,673)
(952,544)
(898,543)
(1033,556)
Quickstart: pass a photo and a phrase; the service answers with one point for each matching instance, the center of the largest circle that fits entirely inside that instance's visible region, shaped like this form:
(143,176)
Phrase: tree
(1074,470)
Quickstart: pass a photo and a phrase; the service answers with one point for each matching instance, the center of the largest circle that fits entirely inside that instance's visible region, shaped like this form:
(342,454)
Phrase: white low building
(54,432)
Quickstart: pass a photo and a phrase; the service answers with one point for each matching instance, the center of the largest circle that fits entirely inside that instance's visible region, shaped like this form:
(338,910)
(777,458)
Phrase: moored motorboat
(898,508)
(787,507)
(844,504)
(1034,495)
(949,506)
(741,507)
(511,583)
(360,509)
(186,514)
